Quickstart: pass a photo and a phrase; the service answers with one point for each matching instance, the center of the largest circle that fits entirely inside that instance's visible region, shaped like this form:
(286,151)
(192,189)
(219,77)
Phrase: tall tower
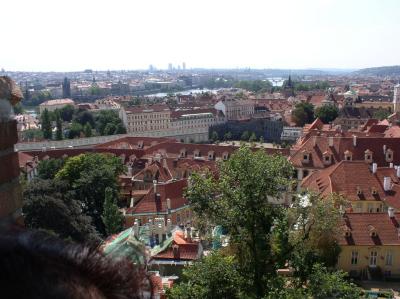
(66,88)
(396,99)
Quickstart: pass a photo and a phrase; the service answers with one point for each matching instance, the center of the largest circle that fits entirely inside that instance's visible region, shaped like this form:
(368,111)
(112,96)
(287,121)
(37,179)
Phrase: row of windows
(373,256)
(148,116)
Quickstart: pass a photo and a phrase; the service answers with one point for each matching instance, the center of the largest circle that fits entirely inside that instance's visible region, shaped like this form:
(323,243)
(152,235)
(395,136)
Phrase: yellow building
(370,244)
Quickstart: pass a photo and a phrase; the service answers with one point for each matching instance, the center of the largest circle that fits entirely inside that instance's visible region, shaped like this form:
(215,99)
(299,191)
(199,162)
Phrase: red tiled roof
(341,178)
(129,142)
(361,224)
(152,204)
(317,145)
(187,252)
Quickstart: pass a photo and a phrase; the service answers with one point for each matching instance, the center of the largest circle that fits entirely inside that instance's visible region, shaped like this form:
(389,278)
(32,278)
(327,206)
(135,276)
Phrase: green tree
(112,218)
(46,124)
(47,169)
(214,276)
(75,130)
(32,134)
(88,175)
(313,225)
(110,129)
(67,113)
(214,136)
(381,114)
(120,129)
(49,205)
(245,136)
(227,136)
(87,129)
(303,113)
(239,200)
(327,284)
(59,132)
(106,117)
(18,109)
(83,117)
(253,137)
(327,113)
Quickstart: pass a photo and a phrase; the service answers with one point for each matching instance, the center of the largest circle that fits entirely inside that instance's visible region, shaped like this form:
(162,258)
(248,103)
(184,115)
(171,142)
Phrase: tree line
(80,122)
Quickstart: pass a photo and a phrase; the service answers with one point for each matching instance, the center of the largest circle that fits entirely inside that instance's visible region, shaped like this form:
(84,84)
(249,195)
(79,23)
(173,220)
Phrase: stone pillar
(10,191)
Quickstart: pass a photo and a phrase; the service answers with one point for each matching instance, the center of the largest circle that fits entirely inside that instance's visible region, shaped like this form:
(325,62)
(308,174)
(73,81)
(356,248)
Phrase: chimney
(159,233)
(387,183)
(169,225)
(155,186)
(384,148)
(330,141)
(354,140)
(374,167)
(129,170)
(136,227)
(398,171)
(391,165)
(168,204)
(131,205)
(315,141)
(165,165)
(391,213)
(188,234)
(175,250)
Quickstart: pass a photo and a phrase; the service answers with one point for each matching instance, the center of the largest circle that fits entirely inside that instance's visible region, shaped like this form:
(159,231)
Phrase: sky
(54,35)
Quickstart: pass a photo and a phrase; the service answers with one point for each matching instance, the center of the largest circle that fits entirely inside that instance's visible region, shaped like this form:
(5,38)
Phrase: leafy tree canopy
(89,175)
(49,205)
(303,113)
(327,113)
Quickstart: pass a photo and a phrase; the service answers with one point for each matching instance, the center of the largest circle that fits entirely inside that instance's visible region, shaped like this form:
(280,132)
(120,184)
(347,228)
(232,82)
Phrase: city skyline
(316,34)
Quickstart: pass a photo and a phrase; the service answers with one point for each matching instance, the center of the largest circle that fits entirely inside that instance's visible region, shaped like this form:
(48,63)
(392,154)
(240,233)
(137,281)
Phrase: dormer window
(348,156)
(306,157)
(372,231)
(374,191)
(359,191)
(211,155)
(389,155)
(183,153)
(327,158)
(196,153)
(368,156)
(140,144)
(225,156)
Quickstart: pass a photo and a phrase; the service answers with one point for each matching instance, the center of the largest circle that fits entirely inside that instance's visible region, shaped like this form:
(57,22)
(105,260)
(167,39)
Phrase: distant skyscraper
(151,68)
(184,66)
(170,68)
(66,88)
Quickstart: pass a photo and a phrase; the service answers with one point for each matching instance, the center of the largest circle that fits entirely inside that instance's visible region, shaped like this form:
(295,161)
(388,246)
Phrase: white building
(52,105)
(236,109)
(291,133)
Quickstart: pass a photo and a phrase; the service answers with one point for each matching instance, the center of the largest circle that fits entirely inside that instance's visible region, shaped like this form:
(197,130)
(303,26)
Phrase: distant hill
(382,71)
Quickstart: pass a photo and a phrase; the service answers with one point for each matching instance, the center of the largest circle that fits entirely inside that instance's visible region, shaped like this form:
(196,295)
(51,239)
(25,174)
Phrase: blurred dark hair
(37,265)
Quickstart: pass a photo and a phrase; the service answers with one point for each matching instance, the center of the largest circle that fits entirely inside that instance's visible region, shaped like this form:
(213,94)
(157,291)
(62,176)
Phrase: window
(354,257)
(370,208)
(389,258)
(372,258)
(359,207)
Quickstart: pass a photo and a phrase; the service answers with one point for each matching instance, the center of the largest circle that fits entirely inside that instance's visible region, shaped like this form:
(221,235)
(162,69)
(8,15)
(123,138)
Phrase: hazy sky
(44,35)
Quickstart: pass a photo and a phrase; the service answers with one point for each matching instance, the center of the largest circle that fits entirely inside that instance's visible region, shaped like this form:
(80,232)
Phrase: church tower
(396,99)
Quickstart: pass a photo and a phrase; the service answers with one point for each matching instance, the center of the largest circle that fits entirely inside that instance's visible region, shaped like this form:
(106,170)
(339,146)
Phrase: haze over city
(49,35)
